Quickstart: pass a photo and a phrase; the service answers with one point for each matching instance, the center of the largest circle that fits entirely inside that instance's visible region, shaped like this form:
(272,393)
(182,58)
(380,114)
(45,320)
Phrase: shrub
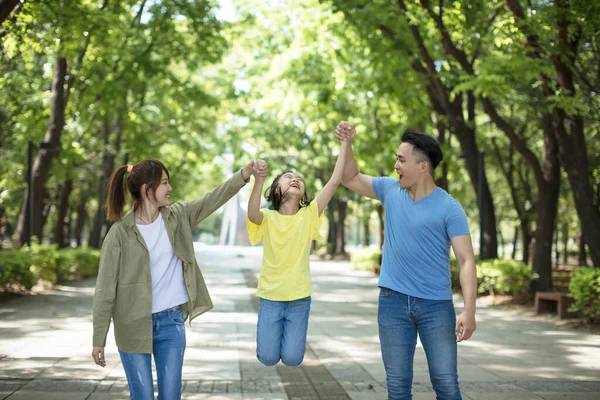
(504,277)
(584,288)
(81,262)
(15,269)
(44,262)
(366,259)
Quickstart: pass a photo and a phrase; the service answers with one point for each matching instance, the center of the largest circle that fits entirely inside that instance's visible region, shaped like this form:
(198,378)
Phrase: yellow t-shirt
(285,273)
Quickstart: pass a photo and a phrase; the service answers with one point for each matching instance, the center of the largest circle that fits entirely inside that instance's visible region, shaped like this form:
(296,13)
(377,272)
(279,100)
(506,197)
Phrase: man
(421,222)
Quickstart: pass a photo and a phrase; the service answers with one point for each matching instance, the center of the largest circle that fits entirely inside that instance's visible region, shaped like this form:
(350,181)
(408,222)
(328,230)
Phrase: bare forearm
(254,214)
(350,166)
(340,165)
(468,284)
(328,191)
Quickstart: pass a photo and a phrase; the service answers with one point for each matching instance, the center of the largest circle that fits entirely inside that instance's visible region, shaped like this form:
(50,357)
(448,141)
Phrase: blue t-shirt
(416,248)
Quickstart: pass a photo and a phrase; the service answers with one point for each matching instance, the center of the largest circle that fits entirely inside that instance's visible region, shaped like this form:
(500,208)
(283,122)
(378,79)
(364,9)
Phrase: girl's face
(292,185)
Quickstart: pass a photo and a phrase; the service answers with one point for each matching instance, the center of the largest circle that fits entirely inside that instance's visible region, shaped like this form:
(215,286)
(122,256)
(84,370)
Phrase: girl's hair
(147,172)
(275,197)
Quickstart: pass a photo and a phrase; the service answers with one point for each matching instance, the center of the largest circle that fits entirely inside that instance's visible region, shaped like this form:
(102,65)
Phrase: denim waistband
(166,310)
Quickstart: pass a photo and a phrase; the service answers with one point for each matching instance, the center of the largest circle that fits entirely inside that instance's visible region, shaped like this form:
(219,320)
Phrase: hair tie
(129,168)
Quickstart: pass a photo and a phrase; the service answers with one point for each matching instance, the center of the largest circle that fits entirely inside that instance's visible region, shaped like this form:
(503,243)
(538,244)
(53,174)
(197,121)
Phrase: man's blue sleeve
(456,220)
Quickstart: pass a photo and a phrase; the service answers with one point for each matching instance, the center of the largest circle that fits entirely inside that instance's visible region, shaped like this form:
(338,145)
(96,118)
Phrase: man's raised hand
(345,131)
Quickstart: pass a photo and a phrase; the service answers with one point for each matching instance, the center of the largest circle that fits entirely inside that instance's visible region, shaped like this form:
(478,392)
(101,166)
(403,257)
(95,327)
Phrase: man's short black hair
(426,145)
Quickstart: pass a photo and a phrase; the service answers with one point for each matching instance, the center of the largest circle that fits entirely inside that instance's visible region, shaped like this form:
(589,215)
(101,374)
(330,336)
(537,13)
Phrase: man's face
(407,166)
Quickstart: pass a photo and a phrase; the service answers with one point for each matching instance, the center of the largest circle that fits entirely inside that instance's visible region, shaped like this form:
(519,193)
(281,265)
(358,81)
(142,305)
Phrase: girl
(149,282)
(284,287)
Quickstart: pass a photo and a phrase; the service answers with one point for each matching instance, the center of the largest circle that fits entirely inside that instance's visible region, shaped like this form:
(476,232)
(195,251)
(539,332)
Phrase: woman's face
(162,196)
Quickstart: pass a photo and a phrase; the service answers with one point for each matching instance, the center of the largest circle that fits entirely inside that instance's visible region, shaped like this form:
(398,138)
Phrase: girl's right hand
(345,131)
(98,355)
(261,169)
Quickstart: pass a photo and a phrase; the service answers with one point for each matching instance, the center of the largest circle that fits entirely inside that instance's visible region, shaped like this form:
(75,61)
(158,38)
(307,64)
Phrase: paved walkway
(45,346)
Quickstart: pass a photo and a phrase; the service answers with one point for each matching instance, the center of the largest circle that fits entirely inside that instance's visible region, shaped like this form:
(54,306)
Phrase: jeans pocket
(177,317)
(384,292)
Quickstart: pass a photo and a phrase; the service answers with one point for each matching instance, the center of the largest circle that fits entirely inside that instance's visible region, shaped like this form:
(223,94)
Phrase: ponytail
(115,200)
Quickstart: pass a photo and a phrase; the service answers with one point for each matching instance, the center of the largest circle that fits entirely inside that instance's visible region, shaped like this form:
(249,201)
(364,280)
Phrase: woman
(149,282)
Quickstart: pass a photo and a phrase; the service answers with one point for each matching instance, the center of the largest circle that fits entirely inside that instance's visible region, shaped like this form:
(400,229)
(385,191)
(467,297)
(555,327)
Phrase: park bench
(545,301)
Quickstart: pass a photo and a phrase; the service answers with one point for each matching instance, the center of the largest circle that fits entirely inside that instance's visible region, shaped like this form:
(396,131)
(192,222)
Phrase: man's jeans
(400,317)
(168,348)
(281,331)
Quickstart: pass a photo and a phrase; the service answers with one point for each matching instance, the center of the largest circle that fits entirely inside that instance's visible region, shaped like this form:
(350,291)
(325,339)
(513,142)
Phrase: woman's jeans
(400,317)
(168,348)
(281,331)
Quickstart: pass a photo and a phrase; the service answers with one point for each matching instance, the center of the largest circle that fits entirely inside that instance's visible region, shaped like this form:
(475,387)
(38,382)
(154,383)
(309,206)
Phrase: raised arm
(352,178)
(328,191)
(260,173)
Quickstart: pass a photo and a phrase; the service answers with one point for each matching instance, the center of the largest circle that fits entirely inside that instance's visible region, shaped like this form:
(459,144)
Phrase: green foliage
(366,258)
(45,264)
(584,288)
(80,262)
(15,270)
(504,277)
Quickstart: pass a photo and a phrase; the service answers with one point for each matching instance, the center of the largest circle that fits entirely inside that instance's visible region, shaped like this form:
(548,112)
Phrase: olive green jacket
(124,284)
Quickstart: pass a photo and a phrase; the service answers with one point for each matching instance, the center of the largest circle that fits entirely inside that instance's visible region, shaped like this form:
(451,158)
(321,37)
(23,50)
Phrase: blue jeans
(281,331)
(168,347)
(400,317)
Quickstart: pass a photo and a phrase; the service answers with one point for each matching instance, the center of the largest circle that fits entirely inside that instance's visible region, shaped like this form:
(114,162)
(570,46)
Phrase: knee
(268,361)
(292,360)
(447,388)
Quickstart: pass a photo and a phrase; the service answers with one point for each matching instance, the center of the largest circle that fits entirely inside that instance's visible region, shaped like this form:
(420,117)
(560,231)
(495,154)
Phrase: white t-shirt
(168,286)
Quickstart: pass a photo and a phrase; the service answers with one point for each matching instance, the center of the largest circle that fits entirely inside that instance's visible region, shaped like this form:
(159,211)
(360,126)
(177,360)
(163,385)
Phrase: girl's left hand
(261,169)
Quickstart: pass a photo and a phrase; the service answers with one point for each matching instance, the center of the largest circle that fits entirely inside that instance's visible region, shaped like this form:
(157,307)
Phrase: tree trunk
(81,217)
(515,241)
(490,239)
(547,209)
(526,236)
(108,163)
(575,162)
(61,213)
(70,226)
(568,128)
(440,134)
(544,232)
(98,217)
(43,161)
(331,236)
(6,8)
(502,244)
(340,237)
(565,237)
(441,102)
(3,227)
(367,230)
(582,256)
